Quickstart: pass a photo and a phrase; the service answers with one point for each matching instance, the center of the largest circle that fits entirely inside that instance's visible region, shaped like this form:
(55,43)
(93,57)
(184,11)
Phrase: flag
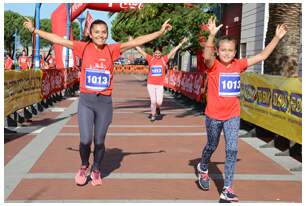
(88,22)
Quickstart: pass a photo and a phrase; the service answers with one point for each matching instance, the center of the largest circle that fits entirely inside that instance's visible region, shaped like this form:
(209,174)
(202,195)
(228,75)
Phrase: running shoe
(81,177)
(96,178)
(228,194)
(203,178)
(153,118)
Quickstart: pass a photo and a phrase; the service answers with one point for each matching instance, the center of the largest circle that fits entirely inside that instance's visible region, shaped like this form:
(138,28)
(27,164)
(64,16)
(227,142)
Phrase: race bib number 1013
(97,80)
(229,84)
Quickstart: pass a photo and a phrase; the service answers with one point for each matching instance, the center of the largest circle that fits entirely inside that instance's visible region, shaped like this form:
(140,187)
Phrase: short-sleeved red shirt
(8,64)
(97,67)
(23,62)
(157,69)
(224,89)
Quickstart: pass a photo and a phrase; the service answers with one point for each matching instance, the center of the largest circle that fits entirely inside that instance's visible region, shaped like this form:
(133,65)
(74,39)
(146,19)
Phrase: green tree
(12,23)
(76,30)
(185,19)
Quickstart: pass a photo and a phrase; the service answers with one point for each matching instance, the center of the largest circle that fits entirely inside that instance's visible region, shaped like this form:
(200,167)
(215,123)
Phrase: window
(243,47)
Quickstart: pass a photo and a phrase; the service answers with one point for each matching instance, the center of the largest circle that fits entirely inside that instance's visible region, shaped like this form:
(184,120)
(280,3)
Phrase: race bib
(97,80)
(156,70)
(229,84)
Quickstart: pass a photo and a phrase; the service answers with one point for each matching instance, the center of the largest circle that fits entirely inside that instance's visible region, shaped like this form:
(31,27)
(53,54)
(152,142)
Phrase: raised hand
(184,40)
(281,30)
(166,27)
(28,24)
(213,30)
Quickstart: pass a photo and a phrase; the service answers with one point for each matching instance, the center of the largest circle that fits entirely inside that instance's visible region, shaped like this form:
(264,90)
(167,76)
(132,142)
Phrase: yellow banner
(273,103)
(21,89)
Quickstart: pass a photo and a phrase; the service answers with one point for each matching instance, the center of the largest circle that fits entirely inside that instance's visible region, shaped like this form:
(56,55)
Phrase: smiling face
(157,53)
(99,34)
(226,51)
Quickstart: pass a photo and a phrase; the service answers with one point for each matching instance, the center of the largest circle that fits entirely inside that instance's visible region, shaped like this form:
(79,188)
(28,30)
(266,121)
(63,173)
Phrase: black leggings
(95,114)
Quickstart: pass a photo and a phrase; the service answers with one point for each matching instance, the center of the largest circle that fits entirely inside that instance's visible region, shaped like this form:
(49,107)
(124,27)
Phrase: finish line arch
(59,20)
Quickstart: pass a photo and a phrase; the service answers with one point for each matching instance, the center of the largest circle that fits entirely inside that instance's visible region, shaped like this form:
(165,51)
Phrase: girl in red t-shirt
(156,76)
(8,62)
(24,61)
(223,107)
(95,103)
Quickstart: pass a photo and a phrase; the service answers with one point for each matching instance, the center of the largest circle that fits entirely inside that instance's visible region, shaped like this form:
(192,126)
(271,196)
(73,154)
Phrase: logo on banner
(128,5)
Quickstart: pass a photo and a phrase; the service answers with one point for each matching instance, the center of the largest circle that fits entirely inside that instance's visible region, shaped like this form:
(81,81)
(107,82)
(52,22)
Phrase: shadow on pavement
(11,135)
(113,158)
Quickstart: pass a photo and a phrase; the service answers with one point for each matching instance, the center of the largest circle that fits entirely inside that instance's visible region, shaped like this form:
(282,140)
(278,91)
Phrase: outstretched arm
(209,55)
(146,38)
(174,50)
(280,32)
(141,51)
(46,35)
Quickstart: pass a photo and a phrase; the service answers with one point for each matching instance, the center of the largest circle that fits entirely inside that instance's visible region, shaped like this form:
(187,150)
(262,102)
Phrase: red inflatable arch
(59,20)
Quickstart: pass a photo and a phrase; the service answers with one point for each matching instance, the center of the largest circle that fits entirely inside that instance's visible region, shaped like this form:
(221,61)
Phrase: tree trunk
(290,45)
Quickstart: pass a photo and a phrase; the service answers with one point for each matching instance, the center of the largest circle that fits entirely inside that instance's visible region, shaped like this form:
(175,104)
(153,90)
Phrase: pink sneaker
(229,195)
(81,177)
(96,178)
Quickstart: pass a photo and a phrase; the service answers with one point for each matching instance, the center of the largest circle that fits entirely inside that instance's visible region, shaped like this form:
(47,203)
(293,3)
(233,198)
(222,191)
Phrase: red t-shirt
(157,69)
(97,67)
(8,64)
(23,62)
(224,89)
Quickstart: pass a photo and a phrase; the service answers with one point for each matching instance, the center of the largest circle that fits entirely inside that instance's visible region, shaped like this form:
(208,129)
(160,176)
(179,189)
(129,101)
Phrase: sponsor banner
(21,88)
(71,76)
(135,69)
(198,86)
(88,22)
(189,84)
(52,82)
(273,103)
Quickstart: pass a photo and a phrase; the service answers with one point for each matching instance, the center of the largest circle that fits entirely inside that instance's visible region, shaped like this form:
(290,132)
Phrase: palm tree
(290,46)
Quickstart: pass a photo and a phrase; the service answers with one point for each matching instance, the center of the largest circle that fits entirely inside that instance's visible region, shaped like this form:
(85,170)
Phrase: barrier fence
(271,102)
(27,87)
(131,69)
(189,84)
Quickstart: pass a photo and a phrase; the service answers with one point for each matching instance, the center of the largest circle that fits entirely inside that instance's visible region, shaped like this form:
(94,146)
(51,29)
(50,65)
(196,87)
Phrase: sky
(28,9)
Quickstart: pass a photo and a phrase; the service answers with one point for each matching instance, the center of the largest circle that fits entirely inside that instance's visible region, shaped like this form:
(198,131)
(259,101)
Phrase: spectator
(24,61)
(8,63)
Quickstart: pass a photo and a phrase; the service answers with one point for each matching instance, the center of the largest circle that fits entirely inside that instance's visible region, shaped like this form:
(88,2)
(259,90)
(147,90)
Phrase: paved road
(144,161)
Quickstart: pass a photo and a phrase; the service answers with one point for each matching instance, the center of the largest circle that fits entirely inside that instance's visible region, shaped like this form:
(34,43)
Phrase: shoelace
(204,175)
(96,174)
(229,190)
(83,171)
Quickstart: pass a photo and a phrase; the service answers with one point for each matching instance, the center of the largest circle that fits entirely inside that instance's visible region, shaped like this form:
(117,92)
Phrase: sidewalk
(144,161)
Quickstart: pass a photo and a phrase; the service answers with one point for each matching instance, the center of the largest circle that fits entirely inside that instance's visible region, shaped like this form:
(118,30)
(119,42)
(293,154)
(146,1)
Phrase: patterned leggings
(231,129)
